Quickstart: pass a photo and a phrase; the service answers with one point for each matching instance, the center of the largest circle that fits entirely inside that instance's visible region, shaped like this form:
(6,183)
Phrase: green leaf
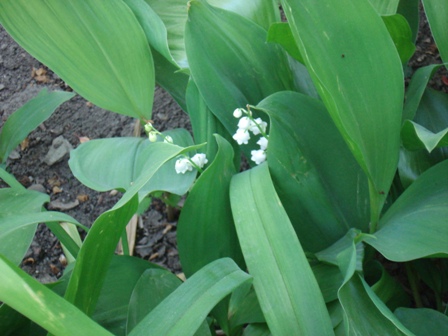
(423,321)
(417,88)
(349,77)
(113,304)
(365,314)
(10,179)
(415,226)
(415,136)
(151,288)
(231,74)
(282,276)
(410,10)
(115,163)
(205,230)
(309,183)
(437,11)
(105,59)
(183,311)
(281,33)
(401,34)
(86,281)
(40,304)
(385,7)
(262,12)
(257,329)
(15,239)
(28,117)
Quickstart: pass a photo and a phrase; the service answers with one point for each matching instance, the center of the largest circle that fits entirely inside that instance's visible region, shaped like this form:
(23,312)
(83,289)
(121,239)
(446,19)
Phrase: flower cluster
(246,125)
(183,164)
(153,133)
(187,164)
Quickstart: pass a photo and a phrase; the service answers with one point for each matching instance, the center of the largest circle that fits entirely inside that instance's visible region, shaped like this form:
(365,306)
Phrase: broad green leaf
(262,12)
(329,278)
(152,287)
(415,136)
(385,7)
(433,272)
(205,230)
(437,11)
(238,70)
(416,89)
(28,117)
(174,18)
(15,239)
(17,229)
(309,184)
(410,10)
(349,77)
(10,179)
(415,226)
(244,308)
(205,124)
(40,304)
(113,304)
(184,310)
(386,287)
(281,33)
(87,278)
(364,313)
(165,66)
(115,163)
(105,59)
(423,321)
(257,329)
(401,34)
(283,280)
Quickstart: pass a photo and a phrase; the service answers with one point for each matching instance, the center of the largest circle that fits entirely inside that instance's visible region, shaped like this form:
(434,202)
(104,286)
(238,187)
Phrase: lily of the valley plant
(340,225)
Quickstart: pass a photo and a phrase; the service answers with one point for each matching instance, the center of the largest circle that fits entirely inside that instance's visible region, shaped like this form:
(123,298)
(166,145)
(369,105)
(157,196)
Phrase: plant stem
(414,285)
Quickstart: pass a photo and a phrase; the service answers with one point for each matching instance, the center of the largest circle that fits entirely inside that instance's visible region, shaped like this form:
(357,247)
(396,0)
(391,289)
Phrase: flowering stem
(263,133)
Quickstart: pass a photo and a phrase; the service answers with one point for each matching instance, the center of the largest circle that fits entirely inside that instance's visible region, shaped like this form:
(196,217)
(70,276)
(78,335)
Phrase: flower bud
(152,136)
(238,113)
(148,128)
(168,139)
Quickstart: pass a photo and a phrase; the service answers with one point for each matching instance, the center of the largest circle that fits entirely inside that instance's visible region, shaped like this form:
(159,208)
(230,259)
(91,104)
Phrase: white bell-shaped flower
(241,136)
(258,156)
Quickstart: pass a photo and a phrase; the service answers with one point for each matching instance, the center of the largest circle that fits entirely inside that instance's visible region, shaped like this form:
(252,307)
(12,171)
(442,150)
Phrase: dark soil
(74,119)
(156,239)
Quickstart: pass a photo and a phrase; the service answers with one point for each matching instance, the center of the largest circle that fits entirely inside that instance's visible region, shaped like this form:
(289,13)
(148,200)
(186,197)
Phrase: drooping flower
(183,165)
(263,142)
(199,159)
(168,139)
(245,123)
(258,156)
(148,127)
(152,136)
(256,129)
(241,136)
(238,113)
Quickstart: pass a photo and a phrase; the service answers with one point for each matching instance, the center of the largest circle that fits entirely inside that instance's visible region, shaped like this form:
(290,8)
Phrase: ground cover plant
(348,177)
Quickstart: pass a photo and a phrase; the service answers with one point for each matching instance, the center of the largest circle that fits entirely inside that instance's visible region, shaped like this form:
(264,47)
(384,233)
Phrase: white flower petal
(199,160)
(263,142)
(241,136)
(182,166)
(245,123)
(258,156)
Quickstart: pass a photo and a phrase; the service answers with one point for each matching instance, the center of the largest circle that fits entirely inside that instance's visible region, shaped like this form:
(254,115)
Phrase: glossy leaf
(410,10)
(87,279)
(151,288)
(349,78)
(40,304)
(15,239)
(423,321)
(206,231)
(365,313)
(28,117)
(262,12)
(282,276)
(281,33)
(401,34)
(385,7)
(183,311)
(115,163)
(437,11)
(415,136)
(106,59)
(415,226)
(231,74)
(310,184)
(113,304)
